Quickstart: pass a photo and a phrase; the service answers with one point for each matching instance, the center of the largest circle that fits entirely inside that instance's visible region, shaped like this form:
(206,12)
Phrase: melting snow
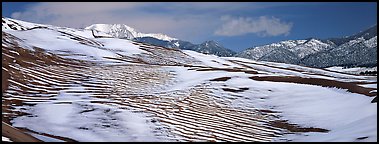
(85,121)
(5,139)
(54,41)
(315,106)
(347,115)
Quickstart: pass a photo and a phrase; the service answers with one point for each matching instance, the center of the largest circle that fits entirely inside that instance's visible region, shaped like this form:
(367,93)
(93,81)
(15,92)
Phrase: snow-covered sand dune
(62,84)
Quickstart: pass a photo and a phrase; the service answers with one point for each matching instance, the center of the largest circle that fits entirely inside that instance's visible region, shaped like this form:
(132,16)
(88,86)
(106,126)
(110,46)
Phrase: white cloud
(263,26)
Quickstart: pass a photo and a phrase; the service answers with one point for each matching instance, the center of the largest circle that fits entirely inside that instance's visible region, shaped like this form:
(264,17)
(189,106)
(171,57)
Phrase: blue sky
(237,26)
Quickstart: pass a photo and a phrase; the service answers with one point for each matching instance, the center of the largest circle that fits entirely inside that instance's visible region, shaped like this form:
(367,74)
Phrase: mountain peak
(125,31)
(311,38)
(109,26)
(211,43)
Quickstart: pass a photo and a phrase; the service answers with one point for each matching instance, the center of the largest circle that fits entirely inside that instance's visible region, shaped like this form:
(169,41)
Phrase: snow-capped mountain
(65,84)
(310,46)
(212,47)
(355,53)
(256,53)
(289,51)
(359,50)
(366,34)
(124,31)
(207,47)
(356,50)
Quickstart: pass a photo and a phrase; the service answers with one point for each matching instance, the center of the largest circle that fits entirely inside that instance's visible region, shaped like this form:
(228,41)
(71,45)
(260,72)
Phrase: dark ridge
(244,89)
(267,111)
(235,90)
(294,127)
(375,100)
(361,138)
(221,79)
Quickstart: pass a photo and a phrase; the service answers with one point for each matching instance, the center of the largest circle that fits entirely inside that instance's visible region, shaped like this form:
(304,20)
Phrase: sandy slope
(62,85)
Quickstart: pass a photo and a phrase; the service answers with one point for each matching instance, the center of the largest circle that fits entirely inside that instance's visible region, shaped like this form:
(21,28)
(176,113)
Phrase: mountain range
(351,51)
(358,50)
(124,31)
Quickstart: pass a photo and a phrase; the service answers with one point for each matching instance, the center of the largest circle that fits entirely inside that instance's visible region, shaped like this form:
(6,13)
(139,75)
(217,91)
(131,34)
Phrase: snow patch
(5,139)
(314,106)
